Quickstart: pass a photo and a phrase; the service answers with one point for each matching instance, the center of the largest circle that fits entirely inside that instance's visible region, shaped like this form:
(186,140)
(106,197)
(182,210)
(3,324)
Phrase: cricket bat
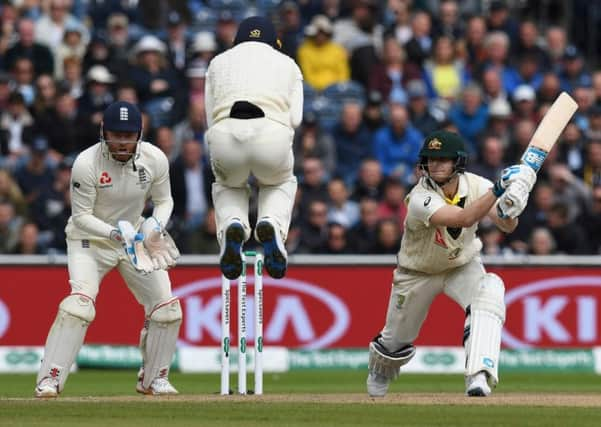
(548,131)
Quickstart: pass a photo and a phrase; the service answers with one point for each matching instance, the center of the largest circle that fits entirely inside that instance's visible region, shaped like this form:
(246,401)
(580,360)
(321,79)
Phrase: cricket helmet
(443,144)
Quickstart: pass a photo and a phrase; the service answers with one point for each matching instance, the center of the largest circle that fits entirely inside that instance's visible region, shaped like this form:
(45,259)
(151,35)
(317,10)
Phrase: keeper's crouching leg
(158,341)
(75,313)
(482,334)
(384,366)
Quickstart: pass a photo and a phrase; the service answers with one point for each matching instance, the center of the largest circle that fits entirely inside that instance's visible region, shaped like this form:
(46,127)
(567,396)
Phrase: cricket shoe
(276,257)
(377,385)
(477,385)
(48,387)
(160,386)
(230,260)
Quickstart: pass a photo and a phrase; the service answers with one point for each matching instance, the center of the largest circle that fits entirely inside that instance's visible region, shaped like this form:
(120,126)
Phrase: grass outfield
(328,398)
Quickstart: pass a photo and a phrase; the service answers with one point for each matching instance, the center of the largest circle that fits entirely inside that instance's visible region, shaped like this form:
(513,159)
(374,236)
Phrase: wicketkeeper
(110,184)
(441,253)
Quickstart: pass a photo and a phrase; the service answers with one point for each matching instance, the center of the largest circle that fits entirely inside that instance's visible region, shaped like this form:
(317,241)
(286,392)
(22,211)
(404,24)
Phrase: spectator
(500,20)
(203,49)
(98,95)
(311,141)
(73,78)
(50,27)
(528,45)
(119,43)
(524,104)
(353,141)
(373,114)
(313,184)
(291,29)
(445,74)
(573,72)
(448,22)
(396,146)
(419,46)
(529,71)
(571,149)
(569,189)
(475,43)
(336,243)
(522,134)
(314,230)
(23,76)
(569,236)
(591,221)
(499,121)
(10,227)
(497,48)
(71,45)
(392,72)
(225,30)
(164,139)
(322,61)
(196,77)
(193,127)
(492,239)
(18,124)
(393,205)
(57,207)
(388,237)
(363,236)
(401,27)
(492,86)
(556,43)
(419,113)
(592,167)
(45,97)
(28,240)
(550,88)
(370,182)
(470,115)
(10,192)
(190,187)
(177,44)
(205,241)
(39,54)
(341,211)
(535,215)
(541,242)
(490,161)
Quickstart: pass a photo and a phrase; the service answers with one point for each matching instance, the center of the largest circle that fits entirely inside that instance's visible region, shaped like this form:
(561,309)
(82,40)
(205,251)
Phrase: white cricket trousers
(412,294)
(261,147)
(90,260)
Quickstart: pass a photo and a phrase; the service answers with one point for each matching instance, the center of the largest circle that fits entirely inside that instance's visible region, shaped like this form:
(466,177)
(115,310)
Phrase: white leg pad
(485,323)
(75,313)
(385,363)
(159,340)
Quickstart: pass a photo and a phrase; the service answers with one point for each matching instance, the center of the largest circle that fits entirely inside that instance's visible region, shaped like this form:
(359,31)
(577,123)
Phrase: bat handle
(534,157)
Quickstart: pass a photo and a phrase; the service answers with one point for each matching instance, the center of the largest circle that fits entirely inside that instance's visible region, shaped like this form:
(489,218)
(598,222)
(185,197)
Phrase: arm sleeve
(208,99)
(296,98)
(83,198)
(161,191)
(423,205)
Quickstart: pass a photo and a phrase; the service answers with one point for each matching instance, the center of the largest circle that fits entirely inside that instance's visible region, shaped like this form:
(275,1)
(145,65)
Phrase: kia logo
(296,304)
(545,301)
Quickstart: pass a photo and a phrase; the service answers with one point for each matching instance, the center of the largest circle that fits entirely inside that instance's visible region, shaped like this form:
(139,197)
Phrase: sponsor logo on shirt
(105,180)
(439,239)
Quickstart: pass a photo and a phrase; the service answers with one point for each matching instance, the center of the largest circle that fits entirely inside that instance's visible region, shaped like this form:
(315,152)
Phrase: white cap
(499,108)
(149,43)
(100,74)
(204,42)
(524,93)
(319,23)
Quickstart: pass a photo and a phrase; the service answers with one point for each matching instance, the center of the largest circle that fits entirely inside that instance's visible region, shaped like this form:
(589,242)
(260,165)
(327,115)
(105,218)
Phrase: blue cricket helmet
(122,116)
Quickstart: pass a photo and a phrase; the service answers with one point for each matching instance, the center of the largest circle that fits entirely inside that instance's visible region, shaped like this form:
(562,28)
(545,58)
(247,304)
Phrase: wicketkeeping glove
(160,245)
(133,243)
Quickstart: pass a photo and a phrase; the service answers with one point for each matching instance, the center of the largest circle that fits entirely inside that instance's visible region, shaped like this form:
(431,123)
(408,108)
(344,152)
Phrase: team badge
(400,301)
(255,34)
(434,144)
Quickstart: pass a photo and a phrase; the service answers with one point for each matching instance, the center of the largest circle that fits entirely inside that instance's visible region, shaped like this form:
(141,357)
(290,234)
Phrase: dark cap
(309,118)
(571,53)
(39,145)
(174,19)
(121,116)
(257,29)
(443,144)
(497,5)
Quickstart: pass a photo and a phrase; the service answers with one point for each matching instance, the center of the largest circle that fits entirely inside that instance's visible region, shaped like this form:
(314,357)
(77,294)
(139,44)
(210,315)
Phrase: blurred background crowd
(379,75)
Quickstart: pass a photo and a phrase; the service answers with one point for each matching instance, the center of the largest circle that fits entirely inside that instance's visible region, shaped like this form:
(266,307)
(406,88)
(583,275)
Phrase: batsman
(110,184)
(441,253)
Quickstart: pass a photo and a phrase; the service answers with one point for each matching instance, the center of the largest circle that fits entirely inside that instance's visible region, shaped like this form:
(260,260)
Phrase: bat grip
(534,157)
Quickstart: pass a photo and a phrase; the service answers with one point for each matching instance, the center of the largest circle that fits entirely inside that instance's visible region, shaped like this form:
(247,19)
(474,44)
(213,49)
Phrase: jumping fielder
(441,253)
(110,184)
(254,100)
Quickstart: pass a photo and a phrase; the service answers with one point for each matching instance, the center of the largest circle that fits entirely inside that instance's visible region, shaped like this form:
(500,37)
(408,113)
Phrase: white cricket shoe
(377,385)
(158,387)
(477,385)
(48,387)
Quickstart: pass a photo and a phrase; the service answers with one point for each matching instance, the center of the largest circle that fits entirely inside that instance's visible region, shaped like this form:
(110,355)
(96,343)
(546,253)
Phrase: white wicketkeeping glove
(513,202)
(515,173)
(160,245)
(133,243)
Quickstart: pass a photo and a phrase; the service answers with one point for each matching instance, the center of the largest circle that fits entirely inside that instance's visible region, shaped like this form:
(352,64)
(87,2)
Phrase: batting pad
(158,344)
(487,316)
(385,363)
(66,337)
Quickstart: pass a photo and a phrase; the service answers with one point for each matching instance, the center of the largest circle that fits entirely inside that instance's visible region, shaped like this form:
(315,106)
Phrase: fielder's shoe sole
(276,260)
(231,257)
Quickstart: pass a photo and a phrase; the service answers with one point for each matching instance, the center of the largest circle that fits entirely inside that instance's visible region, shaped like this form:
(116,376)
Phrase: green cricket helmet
(443,144)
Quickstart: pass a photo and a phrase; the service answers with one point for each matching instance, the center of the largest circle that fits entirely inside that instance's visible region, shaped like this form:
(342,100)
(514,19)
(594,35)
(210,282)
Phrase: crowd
(379,76)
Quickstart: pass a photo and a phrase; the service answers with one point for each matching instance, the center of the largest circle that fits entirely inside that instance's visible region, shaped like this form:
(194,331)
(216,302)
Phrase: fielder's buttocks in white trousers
(254,100)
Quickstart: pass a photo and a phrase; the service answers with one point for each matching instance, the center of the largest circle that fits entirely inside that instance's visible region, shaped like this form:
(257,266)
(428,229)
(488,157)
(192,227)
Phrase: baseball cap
(443,144)
(374,97)
(524,93)
(149,43)
(571,53)
(39,144)
(174,19)
(309,118)
(121,116)
(100,74)
(499,108)
(497,5)
(257,29)
(204,41)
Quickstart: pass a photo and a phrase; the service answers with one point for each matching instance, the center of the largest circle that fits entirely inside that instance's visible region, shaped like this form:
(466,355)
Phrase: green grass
(264,412)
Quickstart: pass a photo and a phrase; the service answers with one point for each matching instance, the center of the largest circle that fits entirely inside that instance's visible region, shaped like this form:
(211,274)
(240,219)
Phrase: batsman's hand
(133,244)
(515,173)
(160,245)
(513,202)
